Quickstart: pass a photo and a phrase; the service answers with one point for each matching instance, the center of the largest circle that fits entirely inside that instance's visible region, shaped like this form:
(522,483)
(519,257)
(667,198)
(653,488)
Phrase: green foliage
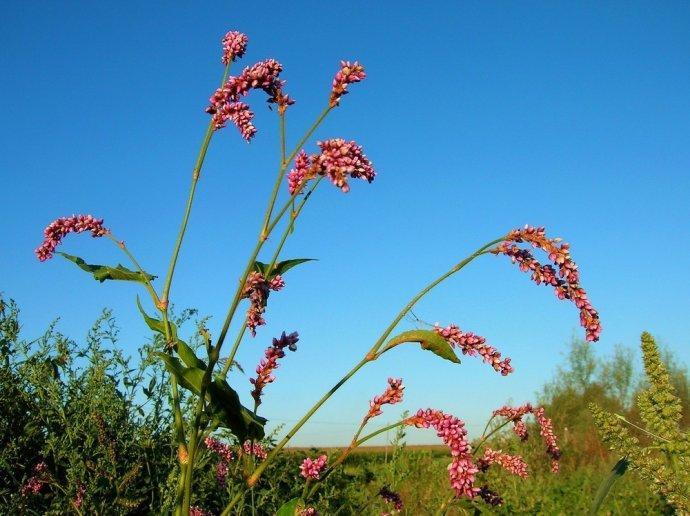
(105,272)
(429,340)
(661,455)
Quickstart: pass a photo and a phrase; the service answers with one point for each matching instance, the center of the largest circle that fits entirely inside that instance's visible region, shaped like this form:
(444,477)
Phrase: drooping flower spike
(339,160)
(512,463)
(234,46)
(473,345)
(312,468)
(60,228)
(565,282)
(257,290)
(226,455)
(348,74)
(225,103)
(392,395)
(452,430)
(268,364)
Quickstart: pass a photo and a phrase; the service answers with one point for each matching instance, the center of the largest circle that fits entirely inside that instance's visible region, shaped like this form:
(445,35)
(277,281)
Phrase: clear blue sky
(479,116)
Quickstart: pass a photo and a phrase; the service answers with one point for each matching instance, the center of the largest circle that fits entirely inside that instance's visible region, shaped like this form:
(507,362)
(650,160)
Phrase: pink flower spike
(472,345)
(311,469)
(257,290)
(512,463)
(515,415)
(546,432)
(348,74)
(268,364)
(60,228)
(340,159)
(234,45)
(255,449)
(565,281)
(392,395)
(452,430)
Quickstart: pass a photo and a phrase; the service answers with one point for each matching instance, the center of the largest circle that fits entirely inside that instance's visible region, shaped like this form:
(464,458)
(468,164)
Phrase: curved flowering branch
(268,364)
(565,282)
(348,74)
(234,45)
(473,345)
(452,430)
(338,160)
(60,228)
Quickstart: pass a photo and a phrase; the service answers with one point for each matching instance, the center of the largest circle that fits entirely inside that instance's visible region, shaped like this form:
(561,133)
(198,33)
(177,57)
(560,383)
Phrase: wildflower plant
(203,381)
(658,450)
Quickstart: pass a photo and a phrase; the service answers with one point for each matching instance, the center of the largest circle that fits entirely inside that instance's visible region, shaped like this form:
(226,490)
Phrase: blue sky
(479,117)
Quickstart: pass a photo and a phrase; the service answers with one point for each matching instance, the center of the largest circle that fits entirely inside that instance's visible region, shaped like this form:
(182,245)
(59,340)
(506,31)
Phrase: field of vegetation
(102,430)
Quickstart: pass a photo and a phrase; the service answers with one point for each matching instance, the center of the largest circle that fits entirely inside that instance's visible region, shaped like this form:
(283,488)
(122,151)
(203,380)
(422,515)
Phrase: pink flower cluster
(309,511)
(198,511)
(257,290)
(565,282)
(35,482)
(473,345)
(515,414)
(312,468)
(392,395)
(255,449)
(392,498)
(546,432)
(348,73)
(60,228)
(225,103)
(454,434)
(512,463)
(234,45)
(338,160)
(264,371)
(225,453)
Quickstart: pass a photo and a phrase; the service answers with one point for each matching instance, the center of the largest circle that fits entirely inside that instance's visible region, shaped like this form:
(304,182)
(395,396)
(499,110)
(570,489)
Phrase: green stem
(232,503)
(228,363)
(190,200)
(486,437)
(149,286)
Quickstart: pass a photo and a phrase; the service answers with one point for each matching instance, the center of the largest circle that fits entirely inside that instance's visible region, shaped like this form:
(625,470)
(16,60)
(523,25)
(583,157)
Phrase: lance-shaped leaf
(224,402)
(280,267)
(183,349)
(429,340)
(617,472)
(292,508)
(105,272)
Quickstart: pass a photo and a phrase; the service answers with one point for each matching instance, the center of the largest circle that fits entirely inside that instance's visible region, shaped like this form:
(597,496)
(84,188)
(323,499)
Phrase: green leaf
(105,272)
(224,401)
(291,508)
(429,340)
(618,471)
(183,349)
(280,267)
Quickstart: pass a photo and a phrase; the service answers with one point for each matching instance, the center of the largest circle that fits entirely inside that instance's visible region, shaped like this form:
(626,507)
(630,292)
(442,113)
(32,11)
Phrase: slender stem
(283,166)
(283,142)
(377,345)
(486,437)
(355,443)
(228,363)
(641,429)
(190,200)
(232,503)
(253,479)
(147,282)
